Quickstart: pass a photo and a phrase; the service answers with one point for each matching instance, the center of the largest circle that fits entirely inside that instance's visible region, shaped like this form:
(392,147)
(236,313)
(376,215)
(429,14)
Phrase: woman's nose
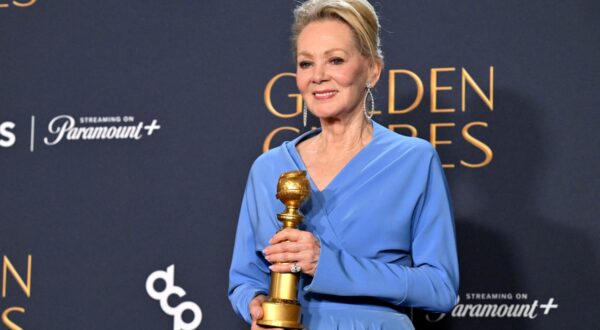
(320,74)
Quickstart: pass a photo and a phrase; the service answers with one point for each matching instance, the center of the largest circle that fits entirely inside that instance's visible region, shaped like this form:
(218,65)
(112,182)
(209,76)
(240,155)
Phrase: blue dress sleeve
(431,283)
(248,275)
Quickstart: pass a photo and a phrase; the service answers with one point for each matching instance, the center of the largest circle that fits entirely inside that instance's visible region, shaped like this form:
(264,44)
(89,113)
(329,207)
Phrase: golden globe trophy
(282,308)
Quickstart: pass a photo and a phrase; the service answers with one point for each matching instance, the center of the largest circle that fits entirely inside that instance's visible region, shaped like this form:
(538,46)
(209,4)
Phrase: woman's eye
(336,61)
(303,64)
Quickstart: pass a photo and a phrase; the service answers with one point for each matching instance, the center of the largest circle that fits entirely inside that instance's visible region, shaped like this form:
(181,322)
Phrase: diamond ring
(295,268)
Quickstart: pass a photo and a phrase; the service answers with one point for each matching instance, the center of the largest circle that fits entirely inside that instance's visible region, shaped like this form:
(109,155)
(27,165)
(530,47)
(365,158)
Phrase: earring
(369,94)
(304,114)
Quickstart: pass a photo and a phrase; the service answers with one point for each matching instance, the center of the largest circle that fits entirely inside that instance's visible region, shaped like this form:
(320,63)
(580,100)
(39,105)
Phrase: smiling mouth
(324,95)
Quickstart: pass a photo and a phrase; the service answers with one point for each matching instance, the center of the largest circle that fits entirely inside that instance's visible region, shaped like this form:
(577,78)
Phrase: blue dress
(386,229)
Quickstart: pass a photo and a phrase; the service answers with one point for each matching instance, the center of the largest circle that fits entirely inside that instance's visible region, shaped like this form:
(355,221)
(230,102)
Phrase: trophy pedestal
(284,314)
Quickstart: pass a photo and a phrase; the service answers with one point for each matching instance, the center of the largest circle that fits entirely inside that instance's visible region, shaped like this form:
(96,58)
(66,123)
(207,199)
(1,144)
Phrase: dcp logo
(7,137)
(163,296)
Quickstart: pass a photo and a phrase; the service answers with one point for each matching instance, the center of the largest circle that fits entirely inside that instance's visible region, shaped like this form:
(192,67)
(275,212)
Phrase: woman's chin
(332,116)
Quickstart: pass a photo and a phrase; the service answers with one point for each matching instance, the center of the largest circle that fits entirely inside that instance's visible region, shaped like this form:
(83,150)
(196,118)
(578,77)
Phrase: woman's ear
(375,68)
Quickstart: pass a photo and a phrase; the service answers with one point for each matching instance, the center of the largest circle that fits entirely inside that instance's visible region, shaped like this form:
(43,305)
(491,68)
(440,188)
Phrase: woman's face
(331,73)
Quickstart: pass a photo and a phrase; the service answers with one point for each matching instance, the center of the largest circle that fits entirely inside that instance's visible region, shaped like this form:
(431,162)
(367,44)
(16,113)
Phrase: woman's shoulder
(282,155)
(266,159)
(402,143)
(276,159)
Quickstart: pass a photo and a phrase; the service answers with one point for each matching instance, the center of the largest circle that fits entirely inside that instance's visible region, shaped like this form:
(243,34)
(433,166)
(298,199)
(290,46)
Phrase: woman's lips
(325,94)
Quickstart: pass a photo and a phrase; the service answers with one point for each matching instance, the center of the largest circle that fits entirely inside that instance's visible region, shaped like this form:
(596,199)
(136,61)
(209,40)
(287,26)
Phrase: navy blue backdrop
(127,129)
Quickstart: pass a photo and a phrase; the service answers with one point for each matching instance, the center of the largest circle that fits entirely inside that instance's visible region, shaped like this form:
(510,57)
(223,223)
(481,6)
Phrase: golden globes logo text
(465,85)
(9,270)
(7,134)
(17,4)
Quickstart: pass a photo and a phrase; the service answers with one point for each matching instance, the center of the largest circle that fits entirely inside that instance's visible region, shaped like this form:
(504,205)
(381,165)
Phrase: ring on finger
(295,268)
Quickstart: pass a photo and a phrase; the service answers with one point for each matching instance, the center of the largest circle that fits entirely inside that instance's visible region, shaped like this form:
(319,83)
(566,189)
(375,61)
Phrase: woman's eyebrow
(327,52)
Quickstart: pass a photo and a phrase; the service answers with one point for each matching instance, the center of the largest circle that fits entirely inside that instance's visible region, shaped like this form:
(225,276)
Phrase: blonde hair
(359,15)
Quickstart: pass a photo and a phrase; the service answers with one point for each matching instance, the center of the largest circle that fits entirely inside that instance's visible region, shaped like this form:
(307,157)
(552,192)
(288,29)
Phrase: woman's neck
(344,134)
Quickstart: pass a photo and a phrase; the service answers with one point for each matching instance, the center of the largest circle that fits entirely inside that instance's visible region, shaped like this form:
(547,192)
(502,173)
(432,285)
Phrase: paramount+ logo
(70,129)
(168,277)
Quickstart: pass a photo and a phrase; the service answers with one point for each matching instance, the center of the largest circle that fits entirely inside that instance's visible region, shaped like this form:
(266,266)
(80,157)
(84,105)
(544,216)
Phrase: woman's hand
(256,312)
(293,246)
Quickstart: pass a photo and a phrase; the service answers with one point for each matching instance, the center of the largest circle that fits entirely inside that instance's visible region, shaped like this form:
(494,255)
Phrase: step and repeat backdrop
(127,129)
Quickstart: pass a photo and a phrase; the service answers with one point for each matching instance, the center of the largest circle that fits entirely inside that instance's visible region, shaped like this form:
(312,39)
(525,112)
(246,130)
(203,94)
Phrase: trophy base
(281,315)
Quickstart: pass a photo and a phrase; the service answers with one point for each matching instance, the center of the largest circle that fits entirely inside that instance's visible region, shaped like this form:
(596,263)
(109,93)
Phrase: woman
(379,234)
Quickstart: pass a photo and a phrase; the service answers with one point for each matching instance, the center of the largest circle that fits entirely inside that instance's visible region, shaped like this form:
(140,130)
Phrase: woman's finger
(283,257)
(284,247)
(288,234)
(306,268)
(256,312)
(282,268)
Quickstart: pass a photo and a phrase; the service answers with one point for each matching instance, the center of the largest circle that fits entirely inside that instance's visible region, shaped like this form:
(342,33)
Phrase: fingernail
(271,267)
